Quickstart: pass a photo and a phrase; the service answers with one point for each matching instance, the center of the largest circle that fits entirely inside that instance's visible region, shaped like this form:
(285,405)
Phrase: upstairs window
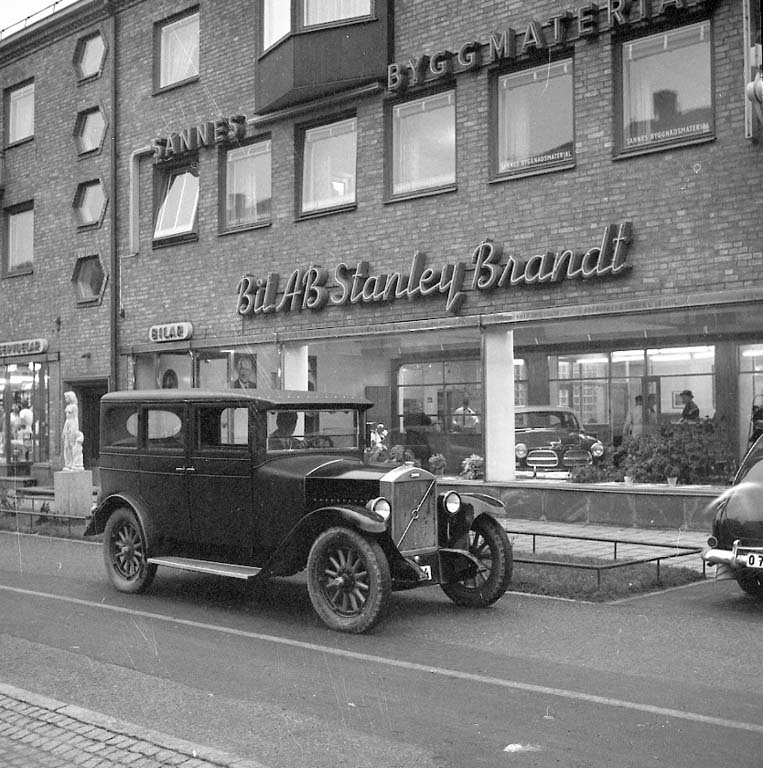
(20,234)
(20,112)
(89,131)
(90,204)
(88,56)
(535,120)
(424,144)
(329,11)
(89,279)
(247,185)
(179,200)
(328,166)
(179,50)
(276,21)
(666,89)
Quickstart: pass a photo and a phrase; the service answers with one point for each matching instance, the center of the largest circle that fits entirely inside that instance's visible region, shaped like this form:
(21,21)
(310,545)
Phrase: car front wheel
(348,580)
(490,545)
(124,552)
(751,582)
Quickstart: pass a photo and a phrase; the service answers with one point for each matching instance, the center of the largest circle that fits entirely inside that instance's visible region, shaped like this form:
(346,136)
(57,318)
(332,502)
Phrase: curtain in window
(20,239)
(424,137)
(177,214)
(276,21)
(21,113)
(328,174)
(326,11)
(180,50)
(248,184)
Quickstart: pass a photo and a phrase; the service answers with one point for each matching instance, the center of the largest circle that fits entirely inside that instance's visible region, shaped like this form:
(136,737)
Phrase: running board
(206,566)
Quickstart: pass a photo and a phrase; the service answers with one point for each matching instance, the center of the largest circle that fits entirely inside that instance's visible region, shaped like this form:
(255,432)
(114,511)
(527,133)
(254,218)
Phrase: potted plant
(473,467)
(672,473)
(437,463)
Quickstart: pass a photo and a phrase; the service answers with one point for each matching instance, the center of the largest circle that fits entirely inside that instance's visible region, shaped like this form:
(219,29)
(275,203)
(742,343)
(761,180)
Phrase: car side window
(219,427)
(120,427)
(164,429)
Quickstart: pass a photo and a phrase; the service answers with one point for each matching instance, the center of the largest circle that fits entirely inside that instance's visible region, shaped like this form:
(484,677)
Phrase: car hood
(536,438)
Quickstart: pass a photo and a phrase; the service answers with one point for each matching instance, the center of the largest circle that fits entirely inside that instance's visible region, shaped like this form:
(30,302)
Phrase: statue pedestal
(73,492)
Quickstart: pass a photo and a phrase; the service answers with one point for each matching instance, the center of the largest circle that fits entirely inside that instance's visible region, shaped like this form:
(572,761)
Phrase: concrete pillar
(498,378)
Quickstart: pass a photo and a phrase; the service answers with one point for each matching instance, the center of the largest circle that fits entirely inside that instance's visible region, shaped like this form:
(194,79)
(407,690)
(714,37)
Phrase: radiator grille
(404,487)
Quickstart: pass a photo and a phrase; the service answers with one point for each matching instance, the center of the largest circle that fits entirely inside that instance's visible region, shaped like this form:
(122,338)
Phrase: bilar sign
(315,287)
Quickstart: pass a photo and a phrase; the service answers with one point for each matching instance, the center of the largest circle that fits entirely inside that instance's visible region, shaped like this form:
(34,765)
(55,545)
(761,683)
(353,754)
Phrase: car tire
(348,580)
(489,543)
(751,582)
(125,552)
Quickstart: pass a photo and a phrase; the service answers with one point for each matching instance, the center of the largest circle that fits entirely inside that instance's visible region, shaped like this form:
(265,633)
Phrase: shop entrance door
(89,394)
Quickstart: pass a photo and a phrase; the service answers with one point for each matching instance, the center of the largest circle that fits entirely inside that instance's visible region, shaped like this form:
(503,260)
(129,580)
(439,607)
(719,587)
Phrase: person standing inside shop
(690,413)
(634,421)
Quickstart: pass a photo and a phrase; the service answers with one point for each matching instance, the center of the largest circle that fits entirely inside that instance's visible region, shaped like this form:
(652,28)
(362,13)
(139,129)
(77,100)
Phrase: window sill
(326,212)
(421,193)
(537,171)
(246,227)
(158,90)
(20,142)
(165,242)
(624,154)
(19,272)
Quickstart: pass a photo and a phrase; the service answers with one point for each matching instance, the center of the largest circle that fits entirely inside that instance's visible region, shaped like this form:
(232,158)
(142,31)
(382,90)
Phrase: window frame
(620,150)
(80,122)
(26,267)
(224,170)
(392,162)
(163,178)
(78,57)
(524,167)
(301,143)
(11,139)
(79,197)
(94,298)
(159,51)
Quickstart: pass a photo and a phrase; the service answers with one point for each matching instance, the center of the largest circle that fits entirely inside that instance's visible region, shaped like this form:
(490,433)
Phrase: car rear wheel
(751,582)
(348,580)
(124,552)
(489,544)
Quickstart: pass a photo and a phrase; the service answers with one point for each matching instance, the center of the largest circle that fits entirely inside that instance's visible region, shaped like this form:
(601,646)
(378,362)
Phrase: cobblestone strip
(46,732)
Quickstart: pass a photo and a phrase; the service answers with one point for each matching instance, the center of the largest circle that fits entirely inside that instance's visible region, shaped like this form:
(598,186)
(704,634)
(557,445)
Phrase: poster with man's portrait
(244,371)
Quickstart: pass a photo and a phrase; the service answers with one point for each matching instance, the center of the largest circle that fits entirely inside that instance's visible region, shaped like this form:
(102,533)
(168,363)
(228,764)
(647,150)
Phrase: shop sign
(532,37)
(170,332)
(313,289)
(23,347)
(189,140)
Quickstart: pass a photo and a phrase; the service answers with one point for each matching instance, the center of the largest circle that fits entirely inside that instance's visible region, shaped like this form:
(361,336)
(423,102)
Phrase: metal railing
(35,507)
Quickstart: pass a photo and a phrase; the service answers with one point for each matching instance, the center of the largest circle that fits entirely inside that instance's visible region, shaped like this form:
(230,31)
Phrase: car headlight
(597,450)
(520,450)
(452,502)
(381,506)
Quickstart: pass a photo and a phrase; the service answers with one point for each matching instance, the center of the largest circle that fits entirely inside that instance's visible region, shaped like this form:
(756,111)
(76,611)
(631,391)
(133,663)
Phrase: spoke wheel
(348,580)
(751,582)
(490,545)
(125,553)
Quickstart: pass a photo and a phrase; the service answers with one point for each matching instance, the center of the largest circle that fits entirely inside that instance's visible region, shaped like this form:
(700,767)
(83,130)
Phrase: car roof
(260,398)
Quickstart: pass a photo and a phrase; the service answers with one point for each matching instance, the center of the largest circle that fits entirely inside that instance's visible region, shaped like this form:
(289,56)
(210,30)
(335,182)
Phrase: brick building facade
(505,204)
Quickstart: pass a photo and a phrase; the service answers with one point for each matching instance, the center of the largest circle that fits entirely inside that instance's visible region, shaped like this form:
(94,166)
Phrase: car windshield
(547,420)
(310,430)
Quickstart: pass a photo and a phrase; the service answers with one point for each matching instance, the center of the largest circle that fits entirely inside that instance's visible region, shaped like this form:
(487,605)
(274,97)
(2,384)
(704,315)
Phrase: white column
(498,419)
(294,366)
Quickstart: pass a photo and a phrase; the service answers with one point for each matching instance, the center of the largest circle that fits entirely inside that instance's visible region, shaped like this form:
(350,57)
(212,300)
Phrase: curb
(201,755)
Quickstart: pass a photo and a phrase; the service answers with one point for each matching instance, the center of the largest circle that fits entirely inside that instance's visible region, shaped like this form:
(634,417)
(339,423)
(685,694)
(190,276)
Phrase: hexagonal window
(89,55)
(89,279)
(90,203)
(89,130)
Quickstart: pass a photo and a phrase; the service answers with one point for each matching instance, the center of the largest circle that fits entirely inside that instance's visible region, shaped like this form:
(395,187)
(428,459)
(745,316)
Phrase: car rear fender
(102,512)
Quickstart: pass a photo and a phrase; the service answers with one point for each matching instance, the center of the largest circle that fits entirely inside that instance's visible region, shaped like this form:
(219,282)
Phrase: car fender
(482,504)
(104,509)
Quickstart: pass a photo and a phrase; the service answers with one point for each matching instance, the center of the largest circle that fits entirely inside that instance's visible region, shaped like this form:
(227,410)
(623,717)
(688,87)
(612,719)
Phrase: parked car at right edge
(736,543)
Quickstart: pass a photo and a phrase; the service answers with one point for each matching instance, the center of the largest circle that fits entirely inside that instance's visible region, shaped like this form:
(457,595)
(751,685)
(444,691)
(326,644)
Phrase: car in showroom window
(261,486)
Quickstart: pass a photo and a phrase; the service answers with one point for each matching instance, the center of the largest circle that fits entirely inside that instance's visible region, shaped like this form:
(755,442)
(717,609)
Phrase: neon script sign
(314,289)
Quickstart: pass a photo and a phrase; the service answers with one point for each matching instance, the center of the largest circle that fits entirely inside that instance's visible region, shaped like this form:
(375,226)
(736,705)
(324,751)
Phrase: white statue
(72,437)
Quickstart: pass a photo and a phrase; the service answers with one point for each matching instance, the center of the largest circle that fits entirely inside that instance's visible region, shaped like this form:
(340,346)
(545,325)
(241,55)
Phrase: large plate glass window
(535,119)
(23,416)
(20,234)
(328,11)
(179,201)
(424,144)
(666,89)
(179,50)
(247,185)
(328,166)
(20,112)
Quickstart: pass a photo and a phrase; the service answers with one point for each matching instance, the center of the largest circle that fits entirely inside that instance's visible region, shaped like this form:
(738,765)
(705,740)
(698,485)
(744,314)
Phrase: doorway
(89,394)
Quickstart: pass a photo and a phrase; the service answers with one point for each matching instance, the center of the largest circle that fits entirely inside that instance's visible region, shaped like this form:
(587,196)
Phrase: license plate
(754,560)
(426,573)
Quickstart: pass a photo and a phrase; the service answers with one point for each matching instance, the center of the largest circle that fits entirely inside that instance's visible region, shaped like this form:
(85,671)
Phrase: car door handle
(185,469)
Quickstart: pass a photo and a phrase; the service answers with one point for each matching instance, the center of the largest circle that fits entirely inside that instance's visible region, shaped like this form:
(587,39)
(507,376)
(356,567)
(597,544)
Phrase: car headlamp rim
(597,450)
(520,449)
(452,502)
(381,506)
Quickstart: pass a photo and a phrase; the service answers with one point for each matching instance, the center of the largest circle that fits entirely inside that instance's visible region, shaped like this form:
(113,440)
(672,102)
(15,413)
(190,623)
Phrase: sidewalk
(40,732)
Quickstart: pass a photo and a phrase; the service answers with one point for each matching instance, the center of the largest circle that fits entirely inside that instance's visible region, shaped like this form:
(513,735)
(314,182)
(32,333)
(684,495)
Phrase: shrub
(473,467)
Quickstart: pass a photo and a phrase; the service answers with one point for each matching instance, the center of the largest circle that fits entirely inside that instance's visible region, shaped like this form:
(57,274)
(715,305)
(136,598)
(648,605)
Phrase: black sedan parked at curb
(736,543)
(258,486)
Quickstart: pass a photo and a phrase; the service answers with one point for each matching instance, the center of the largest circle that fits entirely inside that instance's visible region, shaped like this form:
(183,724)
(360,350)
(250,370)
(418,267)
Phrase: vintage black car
(259,486)
(550,437)
(736,543)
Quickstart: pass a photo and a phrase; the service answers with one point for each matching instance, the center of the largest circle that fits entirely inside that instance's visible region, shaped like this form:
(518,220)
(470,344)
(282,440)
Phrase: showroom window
(247,185)
(90,204)
(178,56)
(179,200)
(535,120)
(20,112)
(328,166)
(666,89)
(88,56)
(329,11)
(424,144)
(20,239)
(89,131)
